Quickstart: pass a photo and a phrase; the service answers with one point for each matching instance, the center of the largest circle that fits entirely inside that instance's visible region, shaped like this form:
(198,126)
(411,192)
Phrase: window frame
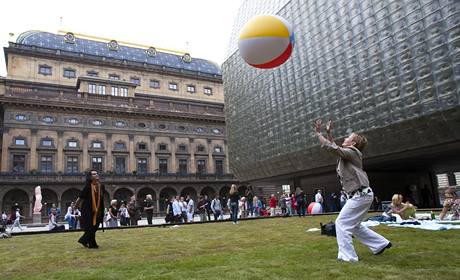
(75,165)
(47,72)
(48,165)
(92,88)
(173,86)
(69,70)
(207,91)
(191,88)
(154,82)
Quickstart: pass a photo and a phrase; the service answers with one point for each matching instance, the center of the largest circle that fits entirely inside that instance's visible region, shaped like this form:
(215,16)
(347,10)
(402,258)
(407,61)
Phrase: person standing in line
(177,211)
(4,219)
(113,212)
(356,184)
(300,201)
(124,215)
(148,208)
(133,211)
(208,207)
(202,209)
(272,203)
(250,200)
(256,206)
(17,219)
(283,206)
(91,200)
(190,209)
(216,208)
(183,209)
(233,203)
(319,199)
(243,208)
(288,200)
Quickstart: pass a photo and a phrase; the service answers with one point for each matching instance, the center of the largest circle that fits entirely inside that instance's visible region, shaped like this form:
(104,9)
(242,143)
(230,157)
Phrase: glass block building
(388,69)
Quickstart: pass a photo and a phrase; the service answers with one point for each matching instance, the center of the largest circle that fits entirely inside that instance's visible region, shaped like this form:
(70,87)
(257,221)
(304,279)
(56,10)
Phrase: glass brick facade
(367,64)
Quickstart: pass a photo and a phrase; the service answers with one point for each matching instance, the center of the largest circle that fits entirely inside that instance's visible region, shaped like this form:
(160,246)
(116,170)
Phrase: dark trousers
(301,209)
(149,217)
(89,236)
(234,209)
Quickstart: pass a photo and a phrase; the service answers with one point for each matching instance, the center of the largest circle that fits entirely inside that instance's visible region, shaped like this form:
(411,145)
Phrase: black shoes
(83,242)
(383,249)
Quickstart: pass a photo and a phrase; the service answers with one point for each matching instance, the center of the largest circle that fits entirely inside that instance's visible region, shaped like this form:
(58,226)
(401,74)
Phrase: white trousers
(348,224)
(189,217)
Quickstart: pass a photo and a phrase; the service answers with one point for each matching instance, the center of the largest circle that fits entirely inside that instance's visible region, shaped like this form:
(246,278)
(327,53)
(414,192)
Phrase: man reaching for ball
(355,183)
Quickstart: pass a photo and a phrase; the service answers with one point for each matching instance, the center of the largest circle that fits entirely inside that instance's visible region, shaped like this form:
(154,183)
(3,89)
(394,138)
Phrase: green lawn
(258,249)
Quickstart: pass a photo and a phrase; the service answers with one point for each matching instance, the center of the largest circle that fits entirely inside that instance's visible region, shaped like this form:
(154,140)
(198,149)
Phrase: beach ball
(266,41)
(314,208)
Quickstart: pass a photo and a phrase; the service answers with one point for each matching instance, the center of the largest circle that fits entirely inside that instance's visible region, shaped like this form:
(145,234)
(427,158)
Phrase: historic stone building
(150,121)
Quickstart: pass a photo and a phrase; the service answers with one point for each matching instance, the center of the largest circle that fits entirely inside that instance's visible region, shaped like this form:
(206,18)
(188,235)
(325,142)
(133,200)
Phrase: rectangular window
(136,81)
(124,92)
(45,70)
(208,91)
(72,164)
(114,77)
(46,164)
(172,86)
(91,88)
(120,165)
(142,146)
(163,166)
(191,88)
(219,167)
(114,91)
(69,73)
(92,73)
(47,143)
(154,84)
(141,165)
(182,166)
(72,144)
(120,146)
(97,145)
(162,147)
(19,163)
(20,142)
(201,166)
(101,89)
(96,163)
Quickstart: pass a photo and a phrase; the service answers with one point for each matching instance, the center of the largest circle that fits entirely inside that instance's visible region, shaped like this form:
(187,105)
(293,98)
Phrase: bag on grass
(328,229)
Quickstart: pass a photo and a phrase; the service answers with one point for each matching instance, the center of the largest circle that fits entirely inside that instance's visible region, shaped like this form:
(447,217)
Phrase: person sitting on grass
(405,210)
(451,204)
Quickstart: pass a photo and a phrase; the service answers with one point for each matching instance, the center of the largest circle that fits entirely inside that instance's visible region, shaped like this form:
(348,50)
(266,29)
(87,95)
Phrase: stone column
(85,164)
(109,161)
(5,152)
(210,165)
(60,152)
(153,161)
(33,150)
(192,167)
(227,163)
(158,205)
(173,168)
(132,158)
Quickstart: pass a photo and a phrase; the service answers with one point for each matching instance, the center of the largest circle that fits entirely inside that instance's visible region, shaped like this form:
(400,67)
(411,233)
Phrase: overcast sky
(205,24)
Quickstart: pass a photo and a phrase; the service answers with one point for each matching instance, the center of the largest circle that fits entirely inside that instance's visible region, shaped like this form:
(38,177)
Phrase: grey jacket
(349,166)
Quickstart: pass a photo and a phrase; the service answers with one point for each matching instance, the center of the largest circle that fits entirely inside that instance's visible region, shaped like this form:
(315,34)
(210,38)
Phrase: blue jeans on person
(234,211)
(250,208)
(71,222)
(301,209)
(289,210)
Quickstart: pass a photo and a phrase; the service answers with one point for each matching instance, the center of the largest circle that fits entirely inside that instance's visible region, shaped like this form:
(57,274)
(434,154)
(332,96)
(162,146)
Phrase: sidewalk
(143,221)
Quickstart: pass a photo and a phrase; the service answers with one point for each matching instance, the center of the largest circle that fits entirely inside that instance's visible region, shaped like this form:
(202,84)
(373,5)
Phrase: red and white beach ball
(314,208)
(266,41)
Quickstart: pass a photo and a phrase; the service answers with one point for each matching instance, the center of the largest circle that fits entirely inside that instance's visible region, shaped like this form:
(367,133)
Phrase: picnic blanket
(426,225)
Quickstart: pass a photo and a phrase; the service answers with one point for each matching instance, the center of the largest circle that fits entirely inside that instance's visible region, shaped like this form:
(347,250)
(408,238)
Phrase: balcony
(56,178)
